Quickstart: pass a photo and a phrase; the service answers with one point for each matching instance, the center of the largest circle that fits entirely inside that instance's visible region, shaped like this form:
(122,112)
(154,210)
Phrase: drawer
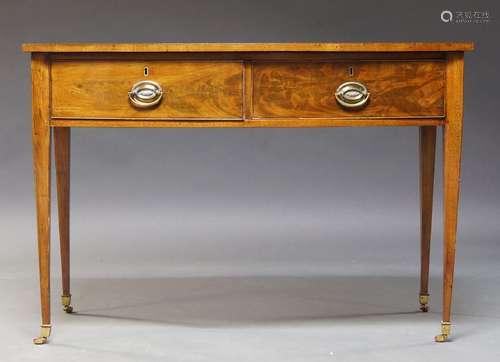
(99,89)
(397,89)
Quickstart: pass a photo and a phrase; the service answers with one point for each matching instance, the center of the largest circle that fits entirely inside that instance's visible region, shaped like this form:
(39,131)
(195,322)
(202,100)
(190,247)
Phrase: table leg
(452,147)
(427,160)
(62,147)
(41,164)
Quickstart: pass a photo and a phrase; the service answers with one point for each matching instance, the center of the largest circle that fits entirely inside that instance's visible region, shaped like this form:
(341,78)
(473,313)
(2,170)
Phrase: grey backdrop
(249,201)
(240,197)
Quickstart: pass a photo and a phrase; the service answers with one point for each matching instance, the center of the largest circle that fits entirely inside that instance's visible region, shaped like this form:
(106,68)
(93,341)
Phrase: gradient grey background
(216,217)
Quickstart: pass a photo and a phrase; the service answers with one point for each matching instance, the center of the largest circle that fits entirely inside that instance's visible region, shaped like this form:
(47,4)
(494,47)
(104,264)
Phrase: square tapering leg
(427,161)
(452,150)
(41,137)
(62,151)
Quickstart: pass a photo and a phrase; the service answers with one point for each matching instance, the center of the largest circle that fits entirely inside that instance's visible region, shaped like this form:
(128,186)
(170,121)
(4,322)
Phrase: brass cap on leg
(66,303)
(44,334)
(445,332)
(424,301)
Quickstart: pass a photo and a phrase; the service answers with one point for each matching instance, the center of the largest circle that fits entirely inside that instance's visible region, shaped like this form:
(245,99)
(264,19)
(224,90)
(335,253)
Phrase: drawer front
(397,89)
(99,89)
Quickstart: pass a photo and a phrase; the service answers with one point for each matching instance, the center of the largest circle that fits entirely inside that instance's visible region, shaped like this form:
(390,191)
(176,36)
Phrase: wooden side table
(247,85)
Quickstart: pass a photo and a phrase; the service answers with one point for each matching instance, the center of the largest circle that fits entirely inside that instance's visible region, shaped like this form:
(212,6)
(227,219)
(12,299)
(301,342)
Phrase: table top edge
(246,47)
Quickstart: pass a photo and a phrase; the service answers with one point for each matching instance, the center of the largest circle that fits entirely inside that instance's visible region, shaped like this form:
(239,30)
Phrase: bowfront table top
(241,85)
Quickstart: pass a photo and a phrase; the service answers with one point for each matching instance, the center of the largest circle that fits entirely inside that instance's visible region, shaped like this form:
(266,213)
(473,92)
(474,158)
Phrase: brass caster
(66,303)
(44,335)
(40,340)
(445,332)
(424,301)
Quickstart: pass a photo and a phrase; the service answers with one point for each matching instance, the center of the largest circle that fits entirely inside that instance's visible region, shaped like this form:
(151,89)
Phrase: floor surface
(252,318)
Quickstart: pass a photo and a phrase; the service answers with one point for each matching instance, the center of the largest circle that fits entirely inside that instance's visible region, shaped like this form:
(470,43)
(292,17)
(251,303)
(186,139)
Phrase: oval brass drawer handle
(145,93)
(352,94)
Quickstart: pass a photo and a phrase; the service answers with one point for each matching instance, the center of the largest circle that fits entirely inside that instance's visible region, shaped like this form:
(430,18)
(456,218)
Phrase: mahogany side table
(247,85)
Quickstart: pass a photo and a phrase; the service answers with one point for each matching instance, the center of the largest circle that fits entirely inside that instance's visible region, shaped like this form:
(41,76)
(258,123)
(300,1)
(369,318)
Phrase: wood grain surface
(41,142)
(245,47)
(192,89)
(307,89)
(62,157)
(252,123)
(427,146)
(452,152)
